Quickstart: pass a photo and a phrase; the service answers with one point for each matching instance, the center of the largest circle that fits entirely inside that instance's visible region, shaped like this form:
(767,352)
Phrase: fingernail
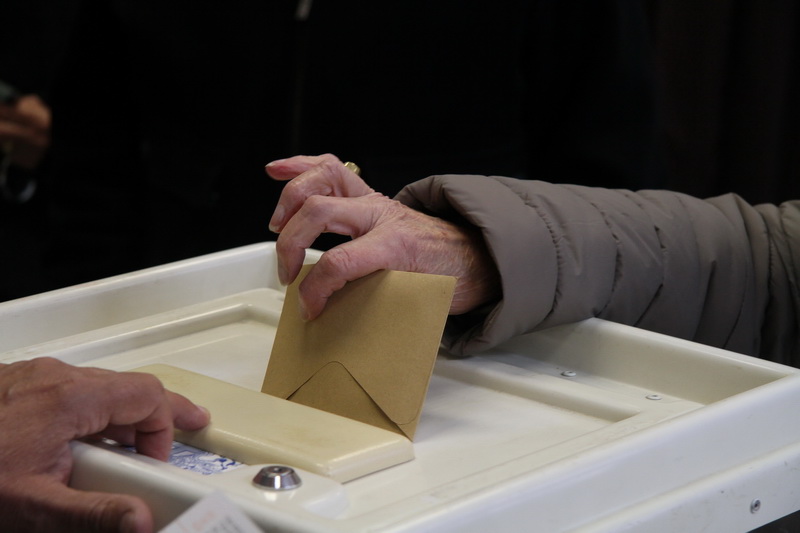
(273,163)
(277,219)
(303,311)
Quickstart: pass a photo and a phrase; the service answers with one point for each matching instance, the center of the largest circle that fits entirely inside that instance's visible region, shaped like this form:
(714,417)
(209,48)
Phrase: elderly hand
(25,128)
(45,404)
(324,196)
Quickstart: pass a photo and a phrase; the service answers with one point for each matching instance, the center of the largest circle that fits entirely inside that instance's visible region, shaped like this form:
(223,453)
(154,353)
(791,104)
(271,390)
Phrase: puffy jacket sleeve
(717,271)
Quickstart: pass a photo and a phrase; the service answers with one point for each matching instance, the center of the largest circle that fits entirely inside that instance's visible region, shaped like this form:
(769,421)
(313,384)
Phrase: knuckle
(46,377)
(319,180)
(316,203)
(139,385)
(317,209)
(334,262)
(330,158)
(330,168)
(46,365)
(294,191)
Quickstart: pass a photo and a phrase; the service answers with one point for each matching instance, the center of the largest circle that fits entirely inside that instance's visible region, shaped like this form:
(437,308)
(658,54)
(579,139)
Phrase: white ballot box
(592,427)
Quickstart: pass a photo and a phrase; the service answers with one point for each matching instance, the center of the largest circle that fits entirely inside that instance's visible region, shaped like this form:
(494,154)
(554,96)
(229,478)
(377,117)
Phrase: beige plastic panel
(256,428)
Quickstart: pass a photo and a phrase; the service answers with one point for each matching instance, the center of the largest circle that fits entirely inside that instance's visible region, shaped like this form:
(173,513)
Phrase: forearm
(658,260)
(777,272)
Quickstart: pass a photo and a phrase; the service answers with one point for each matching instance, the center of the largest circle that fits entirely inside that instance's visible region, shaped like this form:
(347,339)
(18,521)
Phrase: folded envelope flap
(385,329)
(350,397)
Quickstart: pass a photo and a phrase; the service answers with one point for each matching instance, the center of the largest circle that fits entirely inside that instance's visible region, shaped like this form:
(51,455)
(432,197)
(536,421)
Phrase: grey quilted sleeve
(717,271)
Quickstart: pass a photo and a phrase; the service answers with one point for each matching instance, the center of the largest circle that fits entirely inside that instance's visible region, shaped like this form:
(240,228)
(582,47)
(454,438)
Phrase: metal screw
(569,374)
(755,506)
(653,396)
(277,477)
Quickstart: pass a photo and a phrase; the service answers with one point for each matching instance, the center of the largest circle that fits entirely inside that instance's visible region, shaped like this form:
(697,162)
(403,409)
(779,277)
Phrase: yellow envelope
(369,356)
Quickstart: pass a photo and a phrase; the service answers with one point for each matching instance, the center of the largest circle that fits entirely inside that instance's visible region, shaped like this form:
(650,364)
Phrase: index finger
(139,402)
(175,411)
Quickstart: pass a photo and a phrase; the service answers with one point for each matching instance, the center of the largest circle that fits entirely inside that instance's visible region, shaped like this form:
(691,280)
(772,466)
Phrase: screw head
(277,477)
(653,396)
(755,506)
(569,374)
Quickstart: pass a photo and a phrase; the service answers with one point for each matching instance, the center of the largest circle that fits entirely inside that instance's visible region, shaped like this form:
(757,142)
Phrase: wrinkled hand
(45,404)
(25,128)
(325,197)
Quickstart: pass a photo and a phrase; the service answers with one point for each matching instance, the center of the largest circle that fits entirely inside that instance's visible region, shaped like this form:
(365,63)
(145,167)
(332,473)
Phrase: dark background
(164,113)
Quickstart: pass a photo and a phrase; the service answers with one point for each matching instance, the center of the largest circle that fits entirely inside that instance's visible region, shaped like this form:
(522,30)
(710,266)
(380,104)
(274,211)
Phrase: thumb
(60,508)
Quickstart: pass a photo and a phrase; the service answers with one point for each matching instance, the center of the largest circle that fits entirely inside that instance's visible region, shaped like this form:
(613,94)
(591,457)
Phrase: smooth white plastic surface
(251,427)
(593,427)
